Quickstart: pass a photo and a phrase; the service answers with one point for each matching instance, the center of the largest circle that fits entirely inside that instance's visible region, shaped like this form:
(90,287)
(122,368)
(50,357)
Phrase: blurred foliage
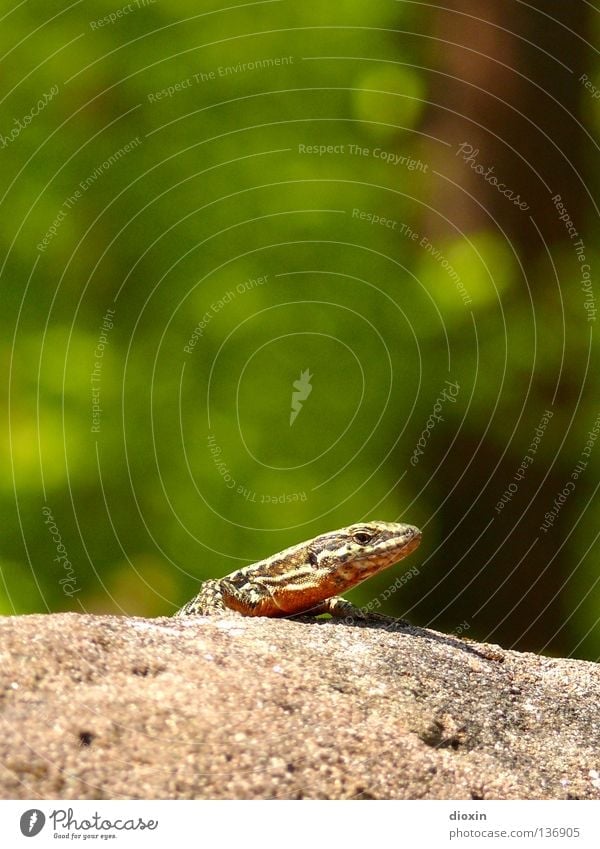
(215,191)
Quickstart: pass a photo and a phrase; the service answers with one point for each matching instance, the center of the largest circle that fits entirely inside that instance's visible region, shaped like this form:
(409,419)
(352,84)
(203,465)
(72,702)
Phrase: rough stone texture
(110,707)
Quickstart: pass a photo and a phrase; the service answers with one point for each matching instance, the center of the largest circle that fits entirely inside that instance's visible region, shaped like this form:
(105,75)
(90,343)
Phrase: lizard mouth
(412,542)
(396,547)
(415,533)
(410,539)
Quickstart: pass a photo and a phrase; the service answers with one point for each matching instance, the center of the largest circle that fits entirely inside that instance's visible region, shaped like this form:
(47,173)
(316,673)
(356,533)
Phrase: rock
(104,707)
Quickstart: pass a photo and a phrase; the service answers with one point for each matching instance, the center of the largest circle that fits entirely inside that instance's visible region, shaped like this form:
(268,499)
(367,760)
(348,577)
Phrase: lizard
(308,577)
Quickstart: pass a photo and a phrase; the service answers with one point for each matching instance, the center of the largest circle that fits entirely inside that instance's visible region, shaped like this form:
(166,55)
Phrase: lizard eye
(362,538)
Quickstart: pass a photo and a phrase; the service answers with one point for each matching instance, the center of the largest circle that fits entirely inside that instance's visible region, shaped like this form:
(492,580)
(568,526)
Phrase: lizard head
(353,554)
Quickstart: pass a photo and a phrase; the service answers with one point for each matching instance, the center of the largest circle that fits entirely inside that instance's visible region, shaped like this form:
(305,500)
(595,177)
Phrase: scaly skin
(308,577)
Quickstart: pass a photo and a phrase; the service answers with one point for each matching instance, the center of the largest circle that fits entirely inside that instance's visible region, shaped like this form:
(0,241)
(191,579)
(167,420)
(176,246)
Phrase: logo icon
(32,822)
(303,389)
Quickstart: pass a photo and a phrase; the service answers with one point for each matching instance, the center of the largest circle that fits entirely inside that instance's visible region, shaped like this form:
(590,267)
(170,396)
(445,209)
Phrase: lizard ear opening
(313,558)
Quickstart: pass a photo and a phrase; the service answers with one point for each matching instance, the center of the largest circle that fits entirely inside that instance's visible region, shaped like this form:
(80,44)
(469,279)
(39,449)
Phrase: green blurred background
(199,206)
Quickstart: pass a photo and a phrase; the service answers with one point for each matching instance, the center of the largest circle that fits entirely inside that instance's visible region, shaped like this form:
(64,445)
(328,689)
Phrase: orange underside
(288,603)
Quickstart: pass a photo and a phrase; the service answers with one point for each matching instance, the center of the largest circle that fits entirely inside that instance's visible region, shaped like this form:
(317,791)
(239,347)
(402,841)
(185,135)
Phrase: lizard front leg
(223,596)
(340,608)
(208,601)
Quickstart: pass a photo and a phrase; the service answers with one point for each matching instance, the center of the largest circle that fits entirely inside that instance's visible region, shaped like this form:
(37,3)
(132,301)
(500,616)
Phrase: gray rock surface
(109,707)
